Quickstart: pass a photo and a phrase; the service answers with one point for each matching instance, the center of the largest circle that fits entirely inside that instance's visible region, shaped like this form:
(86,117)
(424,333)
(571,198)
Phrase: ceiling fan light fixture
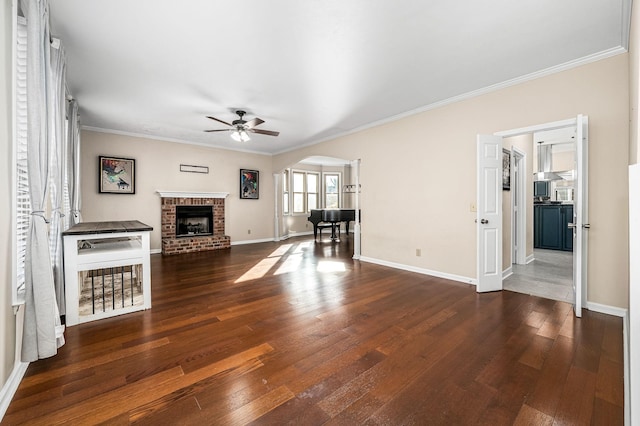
(240,136)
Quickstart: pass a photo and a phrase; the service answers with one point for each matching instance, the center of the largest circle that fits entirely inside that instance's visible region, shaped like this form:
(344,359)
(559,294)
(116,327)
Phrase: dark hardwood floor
(299,333)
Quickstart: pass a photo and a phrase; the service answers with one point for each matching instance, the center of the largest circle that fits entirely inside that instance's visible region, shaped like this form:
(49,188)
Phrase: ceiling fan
(241,128)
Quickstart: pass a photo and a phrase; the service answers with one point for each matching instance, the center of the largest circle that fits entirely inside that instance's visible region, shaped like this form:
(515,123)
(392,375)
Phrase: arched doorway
(316,182)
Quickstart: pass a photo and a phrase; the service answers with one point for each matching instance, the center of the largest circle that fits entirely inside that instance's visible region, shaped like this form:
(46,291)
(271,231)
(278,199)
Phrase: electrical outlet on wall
(248,231)
(418,252)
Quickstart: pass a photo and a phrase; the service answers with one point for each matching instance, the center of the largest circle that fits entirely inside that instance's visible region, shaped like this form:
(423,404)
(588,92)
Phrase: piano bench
(322,226)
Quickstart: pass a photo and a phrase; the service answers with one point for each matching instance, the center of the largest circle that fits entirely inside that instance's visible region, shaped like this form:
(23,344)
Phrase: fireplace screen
(194,220)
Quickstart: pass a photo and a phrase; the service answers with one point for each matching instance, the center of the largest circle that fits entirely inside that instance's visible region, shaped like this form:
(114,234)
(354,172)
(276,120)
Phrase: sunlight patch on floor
(300,248)
(259,270)
(330,266)
(290,264)
(281,251)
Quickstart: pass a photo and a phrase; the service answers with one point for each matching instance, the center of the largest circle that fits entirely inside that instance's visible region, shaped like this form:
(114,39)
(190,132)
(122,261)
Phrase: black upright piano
(326,218)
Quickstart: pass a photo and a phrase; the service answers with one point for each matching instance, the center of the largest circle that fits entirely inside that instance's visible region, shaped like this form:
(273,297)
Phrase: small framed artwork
(249,184)
(116,175)
(506,169)
(193,169)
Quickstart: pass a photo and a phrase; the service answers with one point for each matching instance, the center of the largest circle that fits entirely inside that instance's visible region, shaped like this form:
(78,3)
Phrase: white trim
(469,95)
(530,258)
(626,23)
(537,128)
(503,85)
(606,309)
(507,272)
(519,184)
(155,251)
(276,200)
(186,194)
(422,271)
(323,189)
(262,240)
(167,139)
(11,386)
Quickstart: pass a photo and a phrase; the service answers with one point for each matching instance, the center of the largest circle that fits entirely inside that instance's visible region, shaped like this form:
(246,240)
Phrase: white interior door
(489,213)
(580,215)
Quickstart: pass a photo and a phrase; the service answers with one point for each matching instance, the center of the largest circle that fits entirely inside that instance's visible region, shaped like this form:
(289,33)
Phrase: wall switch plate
(473,208)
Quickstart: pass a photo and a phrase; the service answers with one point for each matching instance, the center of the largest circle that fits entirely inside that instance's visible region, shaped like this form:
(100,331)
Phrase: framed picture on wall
(116,175)
(506,169)
(249,184)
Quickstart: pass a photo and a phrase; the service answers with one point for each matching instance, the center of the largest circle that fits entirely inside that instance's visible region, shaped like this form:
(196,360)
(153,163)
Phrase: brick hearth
(173,245)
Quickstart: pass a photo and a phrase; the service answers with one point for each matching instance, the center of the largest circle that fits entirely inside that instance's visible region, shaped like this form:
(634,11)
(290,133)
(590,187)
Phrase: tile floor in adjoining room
(550,275)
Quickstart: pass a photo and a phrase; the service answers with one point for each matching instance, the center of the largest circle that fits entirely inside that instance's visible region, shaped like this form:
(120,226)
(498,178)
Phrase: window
(285,192)
(332,190)
(298,192)
(312,191)
(305,191)
(22,200)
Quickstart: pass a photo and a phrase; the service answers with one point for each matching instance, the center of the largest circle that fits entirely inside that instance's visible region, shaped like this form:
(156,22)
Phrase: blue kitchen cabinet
(551,229)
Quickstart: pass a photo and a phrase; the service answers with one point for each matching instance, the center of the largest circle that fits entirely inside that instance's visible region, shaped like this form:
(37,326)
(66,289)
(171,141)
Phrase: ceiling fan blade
(219,130)
(218,120)
(253,123)
(264,132)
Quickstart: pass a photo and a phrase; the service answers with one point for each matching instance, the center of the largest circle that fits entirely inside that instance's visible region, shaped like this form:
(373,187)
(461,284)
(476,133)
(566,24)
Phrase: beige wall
(563,161)
(158,168)
(7,319)
(418,174)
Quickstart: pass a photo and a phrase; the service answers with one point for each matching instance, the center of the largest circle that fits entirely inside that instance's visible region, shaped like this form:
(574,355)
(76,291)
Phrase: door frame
(519,217)
(552,126)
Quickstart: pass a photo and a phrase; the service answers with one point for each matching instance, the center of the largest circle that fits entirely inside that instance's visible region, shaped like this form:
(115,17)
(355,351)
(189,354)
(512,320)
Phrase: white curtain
(42,334)
(57,139)
(73,161)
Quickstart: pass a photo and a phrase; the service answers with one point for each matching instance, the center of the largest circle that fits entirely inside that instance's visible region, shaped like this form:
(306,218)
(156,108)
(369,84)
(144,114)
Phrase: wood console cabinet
(551,229)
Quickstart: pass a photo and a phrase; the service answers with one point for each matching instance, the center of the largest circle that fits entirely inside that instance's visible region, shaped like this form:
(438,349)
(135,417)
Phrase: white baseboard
(606,309)
(507,272)
(262,240)
(11,386)
(155,251)
(423,271)
(530,259)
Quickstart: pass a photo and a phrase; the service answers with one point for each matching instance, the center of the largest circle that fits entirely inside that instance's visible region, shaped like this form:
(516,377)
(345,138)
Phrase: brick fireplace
(172,243)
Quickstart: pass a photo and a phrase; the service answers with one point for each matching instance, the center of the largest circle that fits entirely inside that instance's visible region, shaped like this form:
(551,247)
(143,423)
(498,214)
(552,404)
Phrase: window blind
(23,201)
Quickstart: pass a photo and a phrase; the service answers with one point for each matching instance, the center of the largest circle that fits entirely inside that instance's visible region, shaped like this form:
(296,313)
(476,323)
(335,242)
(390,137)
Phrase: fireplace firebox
(194,221)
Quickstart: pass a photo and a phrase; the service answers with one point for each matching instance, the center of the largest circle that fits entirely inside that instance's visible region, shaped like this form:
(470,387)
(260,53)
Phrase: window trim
(324,188)
(286,192)
(305,193)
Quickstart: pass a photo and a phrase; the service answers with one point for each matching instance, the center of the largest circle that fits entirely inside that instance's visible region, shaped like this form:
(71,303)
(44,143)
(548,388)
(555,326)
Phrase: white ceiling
(311,69)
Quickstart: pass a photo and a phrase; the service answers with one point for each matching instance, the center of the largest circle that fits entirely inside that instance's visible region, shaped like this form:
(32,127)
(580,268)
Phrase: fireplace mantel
(185,194)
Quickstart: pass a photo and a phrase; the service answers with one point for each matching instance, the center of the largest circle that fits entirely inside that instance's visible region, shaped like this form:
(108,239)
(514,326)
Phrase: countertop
(553,203)
(107,227)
